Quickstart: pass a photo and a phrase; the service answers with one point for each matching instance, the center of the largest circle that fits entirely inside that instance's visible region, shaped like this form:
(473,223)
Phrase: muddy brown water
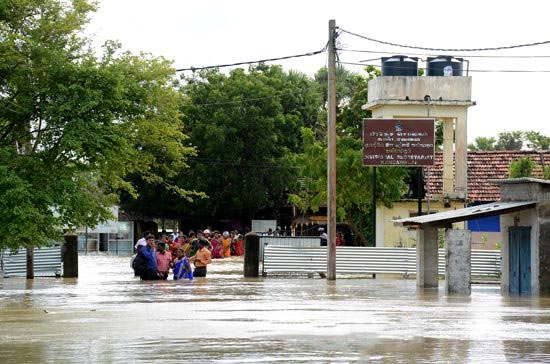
(107,316)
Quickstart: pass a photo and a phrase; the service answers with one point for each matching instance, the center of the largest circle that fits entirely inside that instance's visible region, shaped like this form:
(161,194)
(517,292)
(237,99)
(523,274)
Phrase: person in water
(149,272)
(182,267)
(201,259)
(164,260)
(226,244)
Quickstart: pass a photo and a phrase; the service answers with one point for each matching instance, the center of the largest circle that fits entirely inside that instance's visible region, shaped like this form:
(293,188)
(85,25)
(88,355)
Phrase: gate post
(70,255)
(251,255)
(458,259)
(426,257)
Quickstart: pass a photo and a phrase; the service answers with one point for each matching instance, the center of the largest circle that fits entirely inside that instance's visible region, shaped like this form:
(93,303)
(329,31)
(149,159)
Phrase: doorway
(520,259)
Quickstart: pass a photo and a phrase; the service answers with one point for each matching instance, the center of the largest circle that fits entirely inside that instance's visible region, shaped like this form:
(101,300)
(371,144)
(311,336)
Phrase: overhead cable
(308,54)
(482,71)
(242,101)
(436,55)
(448,49)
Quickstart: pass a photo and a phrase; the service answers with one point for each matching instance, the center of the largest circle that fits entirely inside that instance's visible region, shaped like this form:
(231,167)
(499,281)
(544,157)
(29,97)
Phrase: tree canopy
(244,126)
(512,140)
(74,126)
(353,186)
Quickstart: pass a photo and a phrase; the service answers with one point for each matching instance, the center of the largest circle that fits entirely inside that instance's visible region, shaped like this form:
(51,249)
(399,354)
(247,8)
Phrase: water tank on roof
(444,66)
(399,66)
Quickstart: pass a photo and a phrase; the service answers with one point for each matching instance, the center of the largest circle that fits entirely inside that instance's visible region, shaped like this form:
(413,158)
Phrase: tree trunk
(356,230)
(30,262)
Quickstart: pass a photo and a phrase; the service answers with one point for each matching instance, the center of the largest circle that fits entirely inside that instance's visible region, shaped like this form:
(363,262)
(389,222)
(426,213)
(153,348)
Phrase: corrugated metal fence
(295,241)
(47,262)
(289,259)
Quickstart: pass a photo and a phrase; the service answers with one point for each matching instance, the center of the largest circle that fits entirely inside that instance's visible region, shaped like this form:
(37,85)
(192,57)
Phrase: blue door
(520,259)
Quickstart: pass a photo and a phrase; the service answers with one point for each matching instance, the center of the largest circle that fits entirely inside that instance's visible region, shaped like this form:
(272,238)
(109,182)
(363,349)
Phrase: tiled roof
(485,166)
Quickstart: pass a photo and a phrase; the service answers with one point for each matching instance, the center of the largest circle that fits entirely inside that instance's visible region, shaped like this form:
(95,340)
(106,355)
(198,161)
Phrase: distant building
(482,167)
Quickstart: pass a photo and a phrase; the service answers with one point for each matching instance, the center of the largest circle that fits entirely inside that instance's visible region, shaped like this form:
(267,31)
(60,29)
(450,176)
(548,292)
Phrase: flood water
(107,315)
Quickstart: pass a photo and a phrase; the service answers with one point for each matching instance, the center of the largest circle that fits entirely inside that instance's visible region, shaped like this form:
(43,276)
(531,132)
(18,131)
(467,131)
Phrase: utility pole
(331,158)
(373,212)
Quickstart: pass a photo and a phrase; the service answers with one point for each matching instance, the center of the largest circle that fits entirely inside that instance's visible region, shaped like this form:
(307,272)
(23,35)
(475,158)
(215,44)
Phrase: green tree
(536,140)
(510,140)
(522,167)
(353,187)
(244,124)
(483,144)
(74,126)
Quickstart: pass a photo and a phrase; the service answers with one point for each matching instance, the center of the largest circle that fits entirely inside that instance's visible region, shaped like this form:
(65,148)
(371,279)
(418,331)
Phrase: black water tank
(444,66)
(399,66)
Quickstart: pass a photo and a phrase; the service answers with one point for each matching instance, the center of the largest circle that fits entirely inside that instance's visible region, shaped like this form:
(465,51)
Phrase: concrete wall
(539,220)
(522,218)
(388,235)
(525,192)
(399,87)
(544,245)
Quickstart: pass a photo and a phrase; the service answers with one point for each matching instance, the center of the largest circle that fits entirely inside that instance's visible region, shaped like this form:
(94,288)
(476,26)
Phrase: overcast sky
(206,32)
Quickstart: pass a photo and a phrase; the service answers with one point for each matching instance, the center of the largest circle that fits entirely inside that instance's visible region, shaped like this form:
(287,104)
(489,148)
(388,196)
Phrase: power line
(435,55)
(448,49)
(481,71)
(246,100)
(226,162)
(308,54)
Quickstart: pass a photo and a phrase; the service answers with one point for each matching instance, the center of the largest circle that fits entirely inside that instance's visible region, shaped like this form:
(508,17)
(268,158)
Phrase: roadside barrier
(47,262)
(287,259)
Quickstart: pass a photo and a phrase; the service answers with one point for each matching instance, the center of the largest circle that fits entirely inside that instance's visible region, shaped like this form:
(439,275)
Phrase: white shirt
(141,242)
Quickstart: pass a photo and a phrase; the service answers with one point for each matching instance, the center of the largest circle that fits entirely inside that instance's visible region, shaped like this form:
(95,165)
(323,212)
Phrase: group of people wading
(155,258)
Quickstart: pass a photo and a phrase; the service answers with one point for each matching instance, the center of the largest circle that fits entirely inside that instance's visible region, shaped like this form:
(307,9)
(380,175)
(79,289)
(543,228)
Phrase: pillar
(70,255)
(426,257)
(461,154)
(458,261)
(448,141)
(251,255)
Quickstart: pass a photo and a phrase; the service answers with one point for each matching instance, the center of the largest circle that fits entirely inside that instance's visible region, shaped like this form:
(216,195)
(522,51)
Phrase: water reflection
(107,315)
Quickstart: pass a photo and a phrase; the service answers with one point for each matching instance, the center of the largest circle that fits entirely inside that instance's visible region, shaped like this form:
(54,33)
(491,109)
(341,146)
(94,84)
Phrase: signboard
(398,142)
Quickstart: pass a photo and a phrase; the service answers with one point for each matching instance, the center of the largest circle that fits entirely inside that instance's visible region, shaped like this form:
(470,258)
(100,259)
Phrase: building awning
(465,214)
(310,220)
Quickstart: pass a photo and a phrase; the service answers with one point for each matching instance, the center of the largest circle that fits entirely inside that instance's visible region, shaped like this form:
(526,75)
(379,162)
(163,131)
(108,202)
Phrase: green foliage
(522,167)
(483,144)
(353,187)
(441,238)
(74,126)
(547,172)
(513,140)
(510,140)
(537,141)
(244,126)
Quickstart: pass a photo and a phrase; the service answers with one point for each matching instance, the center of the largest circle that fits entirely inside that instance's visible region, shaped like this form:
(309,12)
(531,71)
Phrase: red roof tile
(485,166)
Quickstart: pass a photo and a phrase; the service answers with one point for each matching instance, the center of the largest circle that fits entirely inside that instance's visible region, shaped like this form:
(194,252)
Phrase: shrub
(522,167)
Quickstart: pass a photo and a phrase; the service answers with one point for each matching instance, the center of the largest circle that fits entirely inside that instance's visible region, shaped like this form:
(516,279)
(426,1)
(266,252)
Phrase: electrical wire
(237,164)
(247,100)
(447,49)
(308,54)
(436,55)
(481,71)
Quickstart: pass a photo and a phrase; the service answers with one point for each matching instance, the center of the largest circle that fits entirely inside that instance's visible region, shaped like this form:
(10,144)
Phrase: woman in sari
(226,244)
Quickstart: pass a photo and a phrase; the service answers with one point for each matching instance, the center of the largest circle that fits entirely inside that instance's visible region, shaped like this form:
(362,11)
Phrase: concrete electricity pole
(331,158)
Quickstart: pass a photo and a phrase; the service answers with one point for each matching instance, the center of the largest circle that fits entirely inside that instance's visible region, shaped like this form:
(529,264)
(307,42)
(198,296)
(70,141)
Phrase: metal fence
(47,262)
(295,241)
(288,259)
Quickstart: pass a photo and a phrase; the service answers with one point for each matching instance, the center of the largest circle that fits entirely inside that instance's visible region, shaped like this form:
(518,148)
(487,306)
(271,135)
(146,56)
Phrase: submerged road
(107,316)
